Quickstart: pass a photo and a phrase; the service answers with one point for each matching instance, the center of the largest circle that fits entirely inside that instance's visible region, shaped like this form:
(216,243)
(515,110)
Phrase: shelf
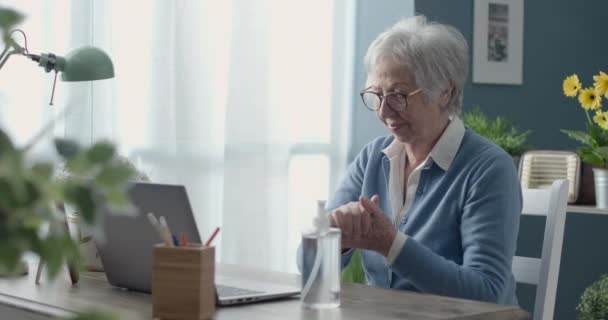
(586,209)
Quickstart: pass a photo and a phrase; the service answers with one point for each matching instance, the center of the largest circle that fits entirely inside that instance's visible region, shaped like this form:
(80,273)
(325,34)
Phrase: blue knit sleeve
(489,224)
(349,188)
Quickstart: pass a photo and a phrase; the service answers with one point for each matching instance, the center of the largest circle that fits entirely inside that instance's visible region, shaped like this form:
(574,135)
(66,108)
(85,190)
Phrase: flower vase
(586,192)
(600,178)
(84,235)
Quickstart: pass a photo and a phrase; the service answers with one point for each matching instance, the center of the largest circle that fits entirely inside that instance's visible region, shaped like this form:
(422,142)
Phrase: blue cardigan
(462,226)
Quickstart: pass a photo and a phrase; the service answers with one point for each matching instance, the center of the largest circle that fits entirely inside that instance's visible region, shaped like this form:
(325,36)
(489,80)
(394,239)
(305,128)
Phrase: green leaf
(83,198)
(9,18)
(31,195)
(117,198)
(354,273)
(588,156)
(7,195)
(601,154)
(580,136)
(114,175)
(43,170)
(9,254)
(101,152)
(52,254)
(6,145)
(66,148)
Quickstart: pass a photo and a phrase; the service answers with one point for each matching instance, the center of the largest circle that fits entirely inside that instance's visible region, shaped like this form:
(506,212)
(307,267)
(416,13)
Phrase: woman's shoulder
(372,151)
(379,143)
(478,148)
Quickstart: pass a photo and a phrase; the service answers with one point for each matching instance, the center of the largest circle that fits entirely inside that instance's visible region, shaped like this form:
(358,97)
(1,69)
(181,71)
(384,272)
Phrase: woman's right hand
(354,221)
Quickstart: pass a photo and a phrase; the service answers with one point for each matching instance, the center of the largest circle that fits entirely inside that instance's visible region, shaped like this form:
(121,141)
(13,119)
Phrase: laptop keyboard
(228,291)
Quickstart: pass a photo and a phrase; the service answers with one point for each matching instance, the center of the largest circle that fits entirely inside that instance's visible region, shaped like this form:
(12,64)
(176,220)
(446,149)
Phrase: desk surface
(358,302)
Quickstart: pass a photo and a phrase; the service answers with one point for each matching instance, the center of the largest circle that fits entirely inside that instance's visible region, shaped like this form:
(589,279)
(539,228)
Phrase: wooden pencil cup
(183,282)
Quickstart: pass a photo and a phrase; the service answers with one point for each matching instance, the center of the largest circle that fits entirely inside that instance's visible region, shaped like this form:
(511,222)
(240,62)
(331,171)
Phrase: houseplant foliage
(354,273)
(595,139)
(30,194)
(8,19)
(594,301)
(499,130)
(29,198)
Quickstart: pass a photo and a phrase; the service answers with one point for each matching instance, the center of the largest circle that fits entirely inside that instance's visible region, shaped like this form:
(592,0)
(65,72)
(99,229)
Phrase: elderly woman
(434,207)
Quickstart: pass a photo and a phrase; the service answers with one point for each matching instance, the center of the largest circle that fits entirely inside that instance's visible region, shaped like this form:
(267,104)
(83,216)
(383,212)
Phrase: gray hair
(435,52)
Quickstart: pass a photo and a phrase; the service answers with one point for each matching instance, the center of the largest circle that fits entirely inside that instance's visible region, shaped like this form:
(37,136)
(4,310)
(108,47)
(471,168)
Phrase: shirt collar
(394,149)
(445,149)
(447,146)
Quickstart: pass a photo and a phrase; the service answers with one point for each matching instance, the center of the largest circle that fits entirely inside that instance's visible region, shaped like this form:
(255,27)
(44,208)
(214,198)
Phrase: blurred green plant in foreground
(31,196)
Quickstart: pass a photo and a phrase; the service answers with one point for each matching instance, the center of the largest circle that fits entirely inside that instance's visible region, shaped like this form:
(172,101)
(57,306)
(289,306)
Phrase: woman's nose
(385,111)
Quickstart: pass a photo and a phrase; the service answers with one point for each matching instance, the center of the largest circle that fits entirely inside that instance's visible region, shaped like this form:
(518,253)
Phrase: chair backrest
(544,272)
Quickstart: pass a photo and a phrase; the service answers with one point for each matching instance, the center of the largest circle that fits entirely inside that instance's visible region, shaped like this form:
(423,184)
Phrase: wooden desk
(358,302)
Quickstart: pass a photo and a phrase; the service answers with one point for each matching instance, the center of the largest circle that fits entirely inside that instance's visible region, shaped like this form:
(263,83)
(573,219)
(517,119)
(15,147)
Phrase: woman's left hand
(382,233)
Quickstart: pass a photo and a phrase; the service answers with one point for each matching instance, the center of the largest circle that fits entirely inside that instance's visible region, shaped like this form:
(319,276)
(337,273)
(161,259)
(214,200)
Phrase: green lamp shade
(86,64)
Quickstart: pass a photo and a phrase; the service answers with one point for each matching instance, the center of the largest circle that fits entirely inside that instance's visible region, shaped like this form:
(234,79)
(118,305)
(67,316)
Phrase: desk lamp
(82,64)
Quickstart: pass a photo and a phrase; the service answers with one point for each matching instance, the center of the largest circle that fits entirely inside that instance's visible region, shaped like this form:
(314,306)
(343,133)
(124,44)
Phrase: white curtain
(25,90)
(243,102)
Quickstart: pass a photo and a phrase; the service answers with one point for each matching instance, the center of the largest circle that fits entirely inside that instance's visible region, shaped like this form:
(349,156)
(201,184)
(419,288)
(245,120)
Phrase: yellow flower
(601,84)
(601,118)
(589,99)
(571,86)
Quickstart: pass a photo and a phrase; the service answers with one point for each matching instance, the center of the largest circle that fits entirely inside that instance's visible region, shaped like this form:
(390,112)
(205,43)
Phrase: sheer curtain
(25,89)
(243,102)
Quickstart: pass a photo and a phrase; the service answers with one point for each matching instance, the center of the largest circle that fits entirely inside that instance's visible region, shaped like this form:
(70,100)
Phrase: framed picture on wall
(498,30)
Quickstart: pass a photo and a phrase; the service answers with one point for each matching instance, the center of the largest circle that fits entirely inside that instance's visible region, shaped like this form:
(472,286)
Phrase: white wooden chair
(544,272)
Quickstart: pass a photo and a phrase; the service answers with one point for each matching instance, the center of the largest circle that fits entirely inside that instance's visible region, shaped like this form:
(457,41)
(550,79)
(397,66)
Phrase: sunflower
(589,99)
(601,118)
(571,86)
(601,84)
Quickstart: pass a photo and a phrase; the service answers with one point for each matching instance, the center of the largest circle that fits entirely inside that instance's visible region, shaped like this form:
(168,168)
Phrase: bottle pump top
(321,221)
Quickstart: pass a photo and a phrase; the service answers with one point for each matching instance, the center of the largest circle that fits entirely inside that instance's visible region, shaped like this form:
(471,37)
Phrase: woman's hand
(364,225)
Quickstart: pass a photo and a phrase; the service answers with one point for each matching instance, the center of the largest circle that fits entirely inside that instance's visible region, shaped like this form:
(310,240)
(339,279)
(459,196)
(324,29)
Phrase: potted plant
(499,130)
(594,151)
(594,301)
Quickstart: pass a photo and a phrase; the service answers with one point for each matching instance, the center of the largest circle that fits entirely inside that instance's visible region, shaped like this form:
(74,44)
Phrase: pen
(166,231)
(184,242)
(154,222)
(212,236)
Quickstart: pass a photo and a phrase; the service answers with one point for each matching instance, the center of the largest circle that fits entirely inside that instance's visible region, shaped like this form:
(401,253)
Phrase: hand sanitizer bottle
(321,261)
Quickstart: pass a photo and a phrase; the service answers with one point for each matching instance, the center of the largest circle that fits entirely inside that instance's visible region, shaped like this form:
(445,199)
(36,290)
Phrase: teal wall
(560,38)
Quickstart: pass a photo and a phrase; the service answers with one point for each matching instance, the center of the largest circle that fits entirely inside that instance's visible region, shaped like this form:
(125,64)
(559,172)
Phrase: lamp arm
(5,56)
(17,49)
(4,53)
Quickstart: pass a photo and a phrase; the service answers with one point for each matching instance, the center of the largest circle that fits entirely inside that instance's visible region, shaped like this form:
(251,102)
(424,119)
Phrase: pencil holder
(183,282)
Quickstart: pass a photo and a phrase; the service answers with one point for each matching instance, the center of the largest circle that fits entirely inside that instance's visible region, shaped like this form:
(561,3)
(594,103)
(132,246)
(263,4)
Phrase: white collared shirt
(442,154)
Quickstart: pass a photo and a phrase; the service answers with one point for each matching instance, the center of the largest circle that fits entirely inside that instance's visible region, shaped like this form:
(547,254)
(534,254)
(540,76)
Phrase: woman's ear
(446,95)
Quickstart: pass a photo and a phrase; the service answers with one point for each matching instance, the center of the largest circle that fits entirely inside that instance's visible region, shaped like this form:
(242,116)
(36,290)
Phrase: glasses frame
(382,96)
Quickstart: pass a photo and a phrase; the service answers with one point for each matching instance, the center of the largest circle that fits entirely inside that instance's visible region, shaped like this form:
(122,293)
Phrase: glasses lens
(371,100)
(397,101)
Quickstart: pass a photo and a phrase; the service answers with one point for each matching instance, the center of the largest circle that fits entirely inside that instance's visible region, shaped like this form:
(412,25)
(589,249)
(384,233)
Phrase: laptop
(126,251)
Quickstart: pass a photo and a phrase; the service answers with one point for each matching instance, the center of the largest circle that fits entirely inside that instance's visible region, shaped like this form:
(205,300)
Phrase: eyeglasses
(395,100)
